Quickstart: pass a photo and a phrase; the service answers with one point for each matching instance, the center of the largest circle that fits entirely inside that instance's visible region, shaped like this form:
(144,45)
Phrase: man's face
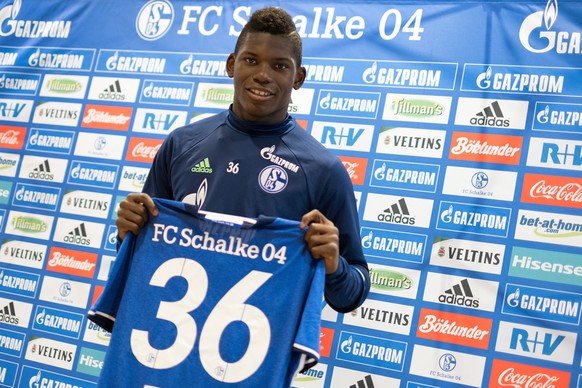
(264,73)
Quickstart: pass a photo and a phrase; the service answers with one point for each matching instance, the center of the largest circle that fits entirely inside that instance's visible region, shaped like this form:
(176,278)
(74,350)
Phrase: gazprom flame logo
(536,35)
(369,75)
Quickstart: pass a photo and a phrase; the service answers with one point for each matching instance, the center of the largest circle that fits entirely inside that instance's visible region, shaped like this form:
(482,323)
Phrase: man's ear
(230,65)
(299,78)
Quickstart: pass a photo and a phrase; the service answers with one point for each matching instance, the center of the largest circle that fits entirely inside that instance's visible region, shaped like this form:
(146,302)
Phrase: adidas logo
(78,236)
(460,295)
(203,167)
(491,116)
(112,92)
(367,382)
(42,171)
(8,314)
(397,213)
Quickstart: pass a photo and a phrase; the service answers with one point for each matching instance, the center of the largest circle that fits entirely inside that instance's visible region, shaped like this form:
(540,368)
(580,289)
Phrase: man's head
(274,21)
(266,66)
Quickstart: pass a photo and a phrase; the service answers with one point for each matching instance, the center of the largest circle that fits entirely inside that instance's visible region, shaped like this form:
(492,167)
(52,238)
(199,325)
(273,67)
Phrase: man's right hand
(133,213)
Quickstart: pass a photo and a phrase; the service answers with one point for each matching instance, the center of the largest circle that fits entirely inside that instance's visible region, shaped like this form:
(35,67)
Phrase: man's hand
(322,239)
(133,213)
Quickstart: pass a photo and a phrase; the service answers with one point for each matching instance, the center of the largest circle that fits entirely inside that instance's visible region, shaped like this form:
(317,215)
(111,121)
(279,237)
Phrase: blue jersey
(194,301)
(226,165)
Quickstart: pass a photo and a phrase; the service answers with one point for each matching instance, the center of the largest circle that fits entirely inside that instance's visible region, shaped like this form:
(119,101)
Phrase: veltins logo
(384,316)
(467,255)
(154,19)
(536,35)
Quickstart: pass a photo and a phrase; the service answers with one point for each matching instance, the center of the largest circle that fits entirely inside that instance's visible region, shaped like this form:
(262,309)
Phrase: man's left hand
(322,239)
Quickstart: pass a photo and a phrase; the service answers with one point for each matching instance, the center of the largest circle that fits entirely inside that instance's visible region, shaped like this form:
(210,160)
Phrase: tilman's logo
(397,213)
(366,382)
(42,172)
(203,167)
(78,236)
(491,116)
(460,295)
(8,314)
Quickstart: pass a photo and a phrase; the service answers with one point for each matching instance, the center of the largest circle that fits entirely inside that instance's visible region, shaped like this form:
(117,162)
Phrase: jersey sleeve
(105,309)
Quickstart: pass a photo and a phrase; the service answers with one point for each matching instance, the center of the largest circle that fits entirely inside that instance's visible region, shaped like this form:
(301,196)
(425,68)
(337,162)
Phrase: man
(254,159)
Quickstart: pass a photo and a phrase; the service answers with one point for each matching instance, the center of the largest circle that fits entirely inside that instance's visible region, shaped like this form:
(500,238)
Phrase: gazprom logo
(477,219)
(374,351)
(536,34)
(348,104)
(154,19)
(541,303)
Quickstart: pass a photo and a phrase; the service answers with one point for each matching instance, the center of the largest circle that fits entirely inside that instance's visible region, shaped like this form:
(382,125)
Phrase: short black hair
(275,21)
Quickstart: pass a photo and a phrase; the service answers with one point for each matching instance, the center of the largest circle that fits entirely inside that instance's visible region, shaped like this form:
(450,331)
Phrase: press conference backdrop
(460,123)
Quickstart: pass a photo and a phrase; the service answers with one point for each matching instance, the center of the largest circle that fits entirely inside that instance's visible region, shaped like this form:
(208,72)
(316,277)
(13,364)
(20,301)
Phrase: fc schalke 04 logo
(154,19)
(273,179)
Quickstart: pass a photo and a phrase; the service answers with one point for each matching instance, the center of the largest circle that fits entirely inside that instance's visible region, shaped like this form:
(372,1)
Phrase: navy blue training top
(226,165)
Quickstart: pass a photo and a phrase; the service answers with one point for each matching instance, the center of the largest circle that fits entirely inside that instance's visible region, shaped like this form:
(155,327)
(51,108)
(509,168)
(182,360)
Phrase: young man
(254,159)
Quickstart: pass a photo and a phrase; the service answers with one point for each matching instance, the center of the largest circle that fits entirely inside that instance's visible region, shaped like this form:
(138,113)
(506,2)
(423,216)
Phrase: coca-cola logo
(351,168)
(10,137)
(142,150)
(571,192)
(510,378)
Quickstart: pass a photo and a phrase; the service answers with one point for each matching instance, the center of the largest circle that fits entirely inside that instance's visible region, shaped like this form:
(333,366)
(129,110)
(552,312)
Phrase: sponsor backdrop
(460,123)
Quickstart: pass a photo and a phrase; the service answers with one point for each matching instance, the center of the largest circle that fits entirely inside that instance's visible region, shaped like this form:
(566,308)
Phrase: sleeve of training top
(348,287)
(158,182)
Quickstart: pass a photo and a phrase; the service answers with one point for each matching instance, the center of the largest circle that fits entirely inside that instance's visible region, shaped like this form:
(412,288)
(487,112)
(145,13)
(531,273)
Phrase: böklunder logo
(481,147)
(107,117)
(454,328)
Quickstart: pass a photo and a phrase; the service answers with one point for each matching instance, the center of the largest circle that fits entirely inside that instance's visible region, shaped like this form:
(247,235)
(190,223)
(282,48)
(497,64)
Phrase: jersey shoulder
(311,154)
(189,135)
